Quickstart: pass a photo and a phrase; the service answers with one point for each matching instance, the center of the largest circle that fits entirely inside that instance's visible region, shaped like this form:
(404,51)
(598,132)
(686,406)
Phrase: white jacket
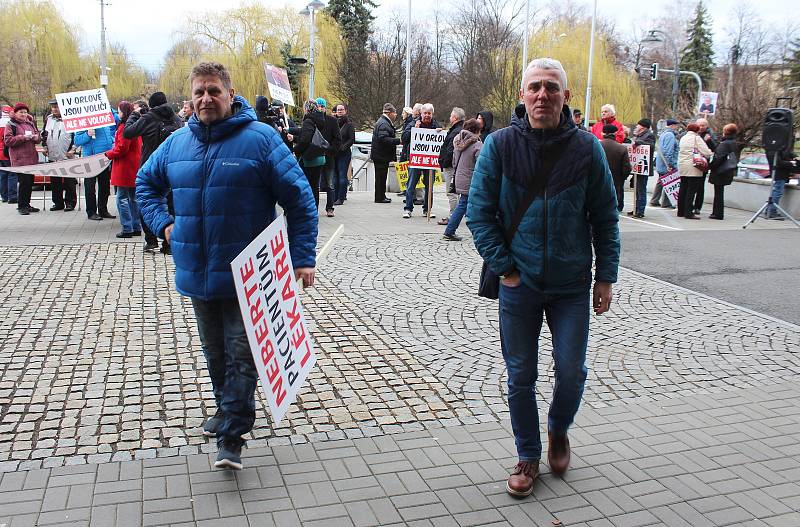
(688,143)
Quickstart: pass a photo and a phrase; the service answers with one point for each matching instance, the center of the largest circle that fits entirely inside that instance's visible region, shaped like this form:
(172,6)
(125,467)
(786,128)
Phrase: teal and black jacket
(575,210)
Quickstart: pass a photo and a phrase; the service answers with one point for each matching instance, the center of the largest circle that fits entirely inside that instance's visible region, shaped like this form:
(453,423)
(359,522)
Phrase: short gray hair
(545,63)
(212,69)
(459,113)
(610,108)
(427,107)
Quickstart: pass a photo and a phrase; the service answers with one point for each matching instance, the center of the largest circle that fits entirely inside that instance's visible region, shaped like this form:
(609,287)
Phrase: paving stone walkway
(691,412)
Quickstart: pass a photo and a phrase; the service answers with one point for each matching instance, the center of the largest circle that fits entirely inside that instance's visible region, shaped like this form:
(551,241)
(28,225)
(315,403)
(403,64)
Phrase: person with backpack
(20,138)
(58,146)
(154,126)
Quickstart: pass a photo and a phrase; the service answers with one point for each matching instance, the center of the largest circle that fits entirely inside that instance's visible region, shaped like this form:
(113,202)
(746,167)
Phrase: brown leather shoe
(558,452)
(520,482)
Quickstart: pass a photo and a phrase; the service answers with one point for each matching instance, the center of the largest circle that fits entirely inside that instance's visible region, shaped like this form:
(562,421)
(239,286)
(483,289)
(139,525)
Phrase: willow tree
(40,53)
(611,83)
(244,38)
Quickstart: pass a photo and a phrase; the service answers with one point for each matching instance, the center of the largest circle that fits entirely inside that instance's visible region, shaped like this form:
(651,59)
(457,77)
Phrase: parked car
(753,165)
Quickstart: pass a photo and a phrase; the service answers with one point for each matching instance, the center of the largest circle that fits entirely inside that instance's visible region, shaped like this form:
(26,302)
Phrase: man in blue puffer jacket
(546,267)
(226,171)
(97,141)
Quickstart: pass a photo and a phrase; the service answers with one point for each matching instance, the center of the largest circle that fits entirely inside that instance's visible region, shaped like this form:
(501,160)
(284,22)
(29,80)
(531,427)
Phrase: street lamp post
(310,9)
(587,104)
(408,58)
(653,36)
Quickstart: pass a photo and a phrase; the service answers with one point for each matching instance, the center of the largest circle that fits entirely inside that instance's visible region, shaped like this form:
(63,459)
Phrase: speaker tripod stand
(769,205)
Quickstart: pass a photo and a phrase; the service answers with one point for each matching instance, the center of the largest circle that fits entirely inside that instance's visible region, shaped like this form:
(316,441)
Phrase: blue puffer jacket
(226,179)
(552,248)
(103,141)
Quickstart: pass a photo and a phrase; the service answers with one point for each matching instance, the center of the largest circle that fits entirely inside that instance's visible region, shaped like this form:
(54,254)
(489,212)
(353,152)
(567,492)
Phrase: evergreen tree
(355,20)
(698,54)
(793,62)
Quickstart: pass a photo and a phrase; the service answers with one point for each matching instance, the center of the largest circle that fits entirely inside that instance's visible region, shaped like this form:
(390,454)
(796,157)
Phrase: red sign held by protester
(85,110)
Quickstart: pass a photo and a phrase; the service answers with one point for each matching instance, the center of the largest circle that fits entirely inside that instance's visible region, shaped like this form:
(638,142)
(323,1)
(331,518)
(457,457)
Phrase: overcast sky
(149,27)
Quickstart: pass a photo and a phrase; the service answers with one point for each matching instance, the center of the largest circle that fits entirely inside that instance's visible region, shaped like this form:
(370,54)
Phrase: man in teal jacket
(546,266)
(226,171)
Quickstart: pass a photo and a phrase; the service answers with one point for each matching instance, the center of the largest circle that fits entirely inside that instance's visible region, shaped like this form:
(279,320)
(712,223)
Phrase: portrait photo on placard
(707,105)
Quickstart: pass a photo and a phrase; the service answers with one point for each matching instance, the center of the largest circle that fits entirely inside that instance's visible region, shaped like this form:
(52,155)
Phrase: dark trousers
(62,191)
(313,174)
(25,190)
(687,194)
(8,182)
(150,237)
(701,194)
(342,168)
(381,171)
(719,201)
(327,181)
(230,365)
(98,204)
(619,186)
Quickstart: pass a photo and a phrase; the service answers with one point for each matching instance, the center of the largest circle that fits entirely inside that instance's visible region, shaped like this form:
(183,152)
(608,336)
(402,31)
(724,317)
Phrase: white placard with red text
(671,182)
(5,116)
(426,144)
(277,331)
(85,110)
(639,156)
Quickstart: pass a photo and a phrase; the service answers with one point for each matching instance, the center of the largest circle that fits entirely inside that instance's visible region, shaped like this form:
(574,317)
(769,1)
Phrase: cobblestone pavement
(103,387)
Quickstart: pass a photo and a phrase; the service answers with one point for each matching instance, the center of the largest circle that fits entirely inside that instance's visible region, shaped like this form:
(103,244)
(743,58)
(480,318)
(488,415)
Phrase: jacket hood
(464,139)
(488,120)
(541,137)
(164,111)
(243,114)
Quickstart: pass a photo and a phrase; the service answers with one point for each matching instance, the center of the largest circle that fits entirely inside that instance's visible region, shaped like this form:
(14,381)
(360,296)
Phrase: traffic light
(654,71)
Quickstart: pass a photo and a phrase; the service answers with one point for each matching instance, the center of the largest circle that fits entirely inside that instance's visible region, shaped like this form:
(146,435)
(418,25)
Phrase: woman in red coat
(125,156)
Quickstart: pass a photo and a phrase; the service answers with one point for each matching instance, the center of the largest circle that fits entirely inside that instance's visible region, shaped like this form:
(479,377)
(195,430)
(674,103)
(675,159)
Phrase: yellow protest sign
(402,176)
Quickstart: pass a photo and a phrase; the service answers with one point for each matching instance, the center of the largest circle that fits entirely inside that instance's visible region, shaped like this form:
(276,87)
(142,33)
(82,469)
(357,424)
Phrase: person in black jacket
(153,126)
(785,166)
(344,155)
(331,134)
(446,158)
(722,169)
(486,120)
(425,120)
(643,136)
(311,162)
(384,149)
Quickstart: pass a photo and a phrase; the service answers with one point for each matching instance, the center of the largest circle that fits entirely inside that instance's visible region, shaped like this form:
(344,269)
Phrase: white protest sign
(671,182)
(273,316)
(278,84)
(80,167)
(5,116)
(85,110)
(639,156)
(426,144)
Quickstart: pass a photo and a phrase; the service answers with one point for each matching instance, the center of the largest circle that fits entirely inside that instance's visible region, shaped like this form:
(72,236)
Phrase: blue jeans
(8,183)
(230,365)
(342,164)
(521,313)
(641,194)
(456,216)
(778,187)
(327,183)
(413,178)
(128,209)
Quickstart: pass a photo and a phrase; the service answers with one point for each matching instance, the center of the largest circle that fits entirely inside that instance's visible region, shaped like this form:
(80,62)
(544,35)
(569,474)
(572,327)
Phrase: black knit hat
(157,99)
(262,104)
(647,123)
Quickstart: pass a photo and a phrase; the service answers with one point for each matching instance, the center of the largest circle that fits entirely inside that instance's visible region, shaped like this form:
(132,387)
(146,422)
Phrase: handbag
(699,160)
(730,164)
(489,282)
(318,146)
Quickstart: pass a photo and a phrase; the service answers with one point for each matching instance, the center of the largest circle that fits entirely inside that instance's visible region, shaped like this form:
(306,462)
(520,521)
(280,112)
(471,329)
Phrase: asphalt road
(757,269)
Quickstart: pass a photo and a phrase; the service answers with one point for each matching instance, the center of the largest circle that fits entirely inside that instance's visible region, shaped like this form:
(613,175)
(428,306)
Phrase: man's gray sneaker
(230,455)
(213,424)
